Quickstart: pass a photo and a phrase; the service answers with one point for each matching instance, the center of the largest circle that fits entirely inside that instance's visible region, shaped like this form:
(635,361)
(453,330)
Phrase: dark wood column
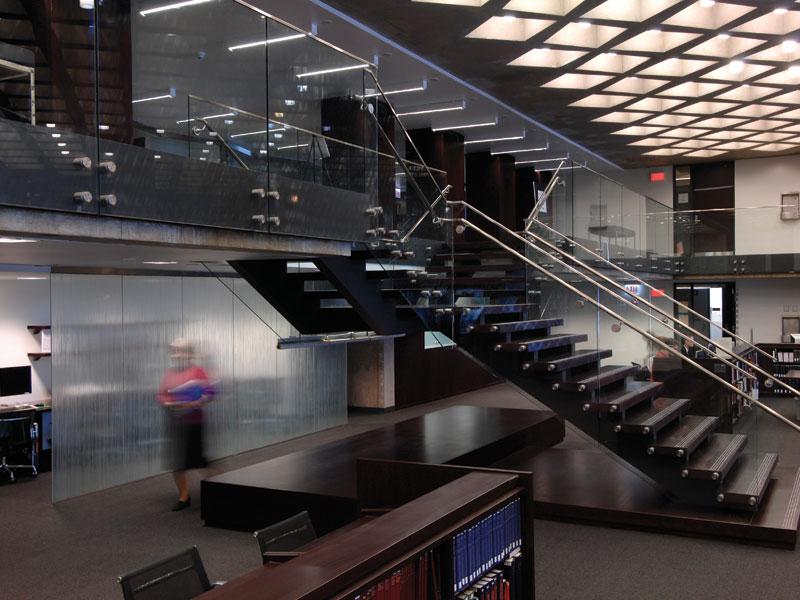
(491,185)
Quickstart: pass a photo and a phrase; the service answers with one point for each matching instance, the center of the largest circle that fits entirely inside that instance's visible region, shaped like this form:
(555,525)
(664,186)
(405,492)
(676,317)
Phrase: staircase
(496,316)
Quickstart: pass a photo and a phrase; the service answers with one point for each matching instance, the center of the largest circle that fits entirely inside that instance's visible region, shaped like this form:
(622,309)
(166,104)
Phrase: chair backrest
(15,431)
(178,577)
(287,535)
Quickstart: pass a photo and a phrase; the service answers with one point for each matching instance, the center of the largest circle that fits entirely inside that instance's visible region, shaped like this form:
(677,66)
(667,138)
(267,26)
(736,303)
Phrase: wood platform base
(591,485)
(323,479)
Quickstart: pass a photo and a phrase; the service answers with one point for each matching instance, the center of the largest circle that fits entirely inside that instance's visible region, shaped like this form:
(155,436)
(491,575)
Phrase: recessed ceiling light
(50,125)
(157,156)
(466,126)
(159,131)
(707,3)
(173,6)
(9,240)
(788,46)
(654,30)
(55,135)
(724,36)
(160,262)
(794,70)
(780,11)
(61,144)
(584,24)
(103,127)
(65,152)
(502,139)
(736,66)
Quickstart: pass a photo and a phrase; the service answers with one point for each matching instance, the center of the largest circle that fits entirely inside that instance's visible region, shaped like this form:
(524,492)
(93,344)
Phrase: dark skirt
(184,449)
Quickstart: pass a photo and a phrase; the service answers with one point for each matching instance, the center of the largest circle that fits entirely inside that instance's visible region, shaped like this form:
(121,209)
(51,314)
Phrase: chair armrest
(279,557)
(215,584)
(375,511)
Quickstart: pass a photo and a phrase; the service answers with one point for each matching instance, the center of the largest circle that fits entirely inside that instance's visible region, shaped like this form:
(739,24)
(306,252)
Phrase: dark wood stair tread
(654,418)
(579,358)
(511,326)
(747,482)
(687,435)
(626,398)
(602,377)
(716,457)
(542,343)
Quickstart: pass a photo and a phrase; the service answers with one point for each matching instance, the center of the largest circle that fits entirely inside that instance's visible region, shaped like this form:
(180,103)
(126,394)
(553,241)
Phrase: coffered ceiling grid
(700,78)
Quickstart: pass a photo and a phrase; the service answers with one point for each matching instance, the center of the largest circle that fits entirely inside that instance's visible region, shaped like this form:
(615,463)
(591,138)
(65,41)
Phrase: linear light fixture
(290,147)
(502,139)
(429,111)
(173,6)
(540,160)
(230,114)
(521,150)
(277,40)
(170,95)
(9,240)
(260,132)
(326,71)
(467,126)
(408,90)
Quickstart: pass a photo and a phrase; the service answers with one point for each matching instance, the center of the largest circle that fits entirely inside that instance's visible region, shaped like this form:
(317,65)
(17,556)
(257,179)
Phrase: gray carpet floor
(77,548)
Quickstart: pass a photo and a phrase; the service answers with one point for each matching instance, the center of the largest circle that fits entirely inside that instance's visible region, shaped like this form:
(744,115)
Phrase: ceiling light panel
(670,120)
(790,98)
(725,135)
(656,41)
(635,85)
(622,117)
(692,89)
(665,152)
(639,130)
(651,141)
(722,47)
(510,29)
(715,16)
(792,128)
(787,51)
(454,2)
(544,7)
(654,104)
(770,136)
(684,132)
(547,58)
(629,10)
(601,101)
(705,153)
(749,93)
(694,144)
(764,124)
(732,72)
(585,35)
(775,147)
(719,122)
(772,23)
(577,81)
(735,146)
(676,67)
(790,76)
(706,108)
(755,111)
(611,62)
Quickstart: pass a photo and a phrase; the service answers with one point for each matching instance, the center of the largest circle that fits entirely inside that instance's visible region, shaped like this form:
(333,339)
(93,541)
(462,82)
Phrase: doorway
(714,301)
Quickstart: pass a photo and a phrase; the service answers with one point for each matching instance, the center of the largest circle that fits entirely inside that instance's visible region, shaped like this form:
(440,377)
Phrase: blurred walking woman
(184,391)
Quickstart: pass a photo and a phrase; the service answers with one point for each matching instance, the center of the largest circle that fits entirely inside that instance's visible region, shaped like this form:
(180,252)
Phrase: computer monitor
(15,381)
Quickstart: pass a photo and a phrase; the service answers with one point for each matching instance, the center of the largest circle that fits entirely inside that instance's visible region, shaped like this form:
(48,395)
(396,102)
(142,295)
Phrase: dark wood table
(322,480)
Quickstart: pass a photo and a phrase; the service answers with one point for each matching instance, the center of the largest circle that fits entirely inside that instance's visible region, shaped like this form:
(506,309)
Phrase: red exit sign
(656,176)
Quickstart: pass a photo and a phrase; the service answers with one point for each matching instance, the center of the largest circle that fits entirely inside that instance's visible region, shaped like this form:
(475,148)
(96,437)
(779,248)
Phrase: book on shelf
(488,542)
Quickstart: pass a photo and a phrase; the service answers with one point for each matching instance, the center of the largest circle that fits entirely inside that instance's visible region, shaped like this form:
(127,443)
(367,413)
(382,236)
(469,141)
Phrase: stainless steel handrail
(419,222)
(620,318)
(547,191)
(634,304)
(651,288)
(215,135)
(309,132)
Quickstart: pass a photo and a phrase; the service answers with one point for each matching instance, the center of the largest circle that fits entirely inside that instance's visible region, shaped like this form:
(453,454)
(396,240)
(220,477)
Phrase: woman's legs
(182,483)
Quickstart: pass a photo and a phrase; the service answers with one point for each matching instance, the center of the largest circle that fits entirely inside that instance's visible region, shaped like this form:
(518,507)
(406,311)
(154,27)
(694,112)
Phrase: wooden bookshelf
(37,329)
(34,356)
(344,565)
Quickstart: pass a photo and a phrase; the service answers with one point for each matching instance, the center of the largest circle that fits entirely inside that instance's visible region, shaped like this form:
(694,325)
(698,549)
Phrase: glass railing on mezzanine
(210,113)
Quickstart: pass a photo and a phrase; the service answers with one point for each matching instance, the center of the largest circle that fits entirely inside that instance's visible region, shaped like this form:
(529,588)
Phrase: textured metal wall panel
(88,419)
(110,348)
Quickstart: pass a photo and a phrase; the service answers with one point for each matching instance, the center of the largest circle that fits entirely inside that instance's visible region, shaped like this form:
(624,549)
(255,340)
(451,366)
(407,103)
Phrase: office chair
(282,541)
(17,433)
(179,577)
